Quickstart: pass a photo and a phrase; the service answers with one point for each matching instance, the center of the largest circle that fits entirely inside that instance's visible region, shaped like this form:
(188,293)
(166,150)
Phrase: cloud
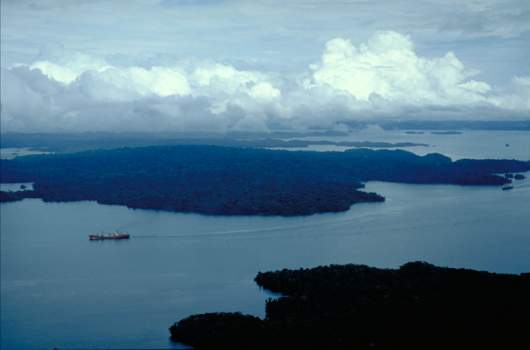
(487,18)
(387,67)
(517,97)
(381,78)
(76,92)
(67,68)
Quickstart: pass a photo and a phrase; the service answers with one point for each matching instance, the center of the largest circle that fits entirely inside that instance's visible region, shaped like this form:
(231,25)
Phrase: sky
(220,65)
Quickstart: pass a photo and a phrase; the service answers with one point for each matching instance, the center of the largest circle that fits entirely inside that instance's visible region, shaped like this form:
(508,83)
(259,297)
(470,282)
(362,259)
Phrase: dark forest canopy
(419,306)
(237,181)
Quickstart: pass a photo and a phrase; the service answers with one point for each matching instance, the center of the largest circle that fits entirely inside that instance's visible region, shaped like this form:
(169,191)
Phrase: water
(10,153)
(16,186)
(476,144)
(60,290)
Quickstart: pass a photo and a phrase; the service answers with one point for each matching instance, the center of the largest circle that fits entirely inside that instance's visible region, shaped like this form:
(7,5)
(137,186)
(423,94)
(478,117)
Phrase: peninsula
(237,181)
(418,306)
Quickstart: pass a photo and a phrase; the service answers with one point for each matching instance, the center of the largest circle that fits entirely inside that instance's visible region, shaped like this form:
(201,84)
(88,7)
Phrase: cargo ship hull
(113,236)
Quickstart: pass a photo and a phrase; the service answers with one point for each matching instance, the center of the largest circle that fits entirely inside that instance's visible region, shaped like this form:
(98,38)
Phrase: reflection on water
(59,289)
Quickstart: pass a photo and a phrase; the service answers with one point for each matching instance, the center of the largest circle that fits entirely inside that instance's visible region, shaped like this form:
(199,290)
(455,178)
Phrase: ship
(507,188)
(114,235)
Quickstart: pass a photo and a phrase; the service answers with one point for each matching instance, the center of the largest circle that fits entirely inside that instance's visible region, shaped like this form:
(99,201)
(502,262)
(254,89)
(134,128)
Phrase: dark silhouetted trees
(419,306)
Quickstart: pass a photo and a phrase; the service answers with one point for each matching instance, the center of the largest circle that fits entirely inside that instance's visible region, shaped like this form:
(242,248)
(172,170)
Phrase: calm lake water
(60,290)
(475,144)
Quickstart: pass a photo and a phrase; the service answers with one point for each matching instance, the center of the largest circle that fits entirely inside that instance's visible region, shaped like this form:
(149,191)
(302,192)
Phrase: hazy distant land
(42,143)
(237,181)
(442,125)
(446,132)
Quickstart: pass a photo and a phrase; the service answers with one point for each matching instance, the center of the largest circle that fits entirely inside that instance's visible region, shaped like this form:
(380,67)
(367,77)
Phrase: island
(60,143)
(517,125)
(238,181)
(448,132)
(418,306)
(278,143)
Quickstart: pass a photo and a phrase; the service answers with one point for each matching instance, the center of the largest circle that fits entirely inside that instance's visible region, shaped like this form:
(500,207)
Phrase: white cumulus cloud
(383,77)
(387,66)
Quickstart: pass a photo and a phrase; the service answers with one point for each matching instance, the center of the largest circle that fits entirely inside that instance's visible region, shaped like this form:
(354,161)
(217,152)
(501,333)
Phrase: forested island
(446,132)
(237,181)
(418,306)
